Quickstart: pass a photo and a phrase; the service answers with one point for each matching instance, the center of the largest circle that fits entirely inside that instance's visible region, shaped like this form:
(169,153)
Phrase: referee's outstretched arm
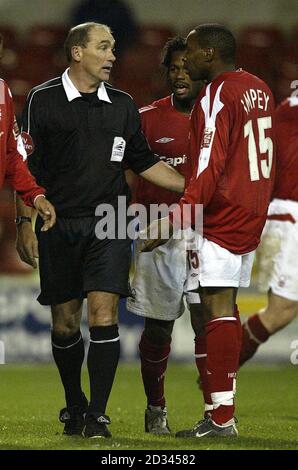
(165,176)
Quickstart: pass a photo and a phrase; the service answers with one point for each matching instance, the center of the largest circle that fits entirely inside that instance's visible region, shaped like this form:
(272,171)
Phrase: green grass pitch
(31,396)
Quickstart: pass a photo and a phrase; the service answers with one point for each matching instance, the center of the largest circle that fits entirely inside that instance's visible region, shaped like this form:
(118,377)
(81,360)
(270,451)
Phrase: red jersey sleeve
(17,173)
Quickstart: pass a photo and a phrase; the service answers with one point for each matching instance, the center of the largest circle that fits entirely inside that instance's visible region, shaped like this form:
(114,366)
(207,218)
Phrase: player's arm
(26,239)
(17,173)
(26,243)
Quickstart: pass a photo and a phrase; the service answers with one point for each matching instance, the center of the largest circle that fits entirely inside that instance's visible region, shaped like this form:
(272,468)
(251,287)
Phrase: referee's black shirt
(78,144)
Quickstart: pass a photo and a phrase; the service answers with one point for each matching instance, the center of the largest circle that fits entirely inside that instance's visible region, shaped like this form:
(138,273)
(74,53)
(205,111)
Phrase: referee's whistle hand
(47,212)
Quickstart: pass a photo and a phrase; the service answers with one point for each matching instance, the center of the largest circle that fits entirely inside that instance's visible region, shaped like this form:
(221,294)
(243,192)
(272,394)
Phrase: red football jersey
(12,167)
(167,133)
(286,182)
(232,146)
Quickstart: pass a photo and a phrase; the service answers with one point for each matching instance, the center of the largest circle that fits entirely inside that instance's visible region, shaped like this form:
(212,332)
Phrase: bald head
(79,36)
(219,38)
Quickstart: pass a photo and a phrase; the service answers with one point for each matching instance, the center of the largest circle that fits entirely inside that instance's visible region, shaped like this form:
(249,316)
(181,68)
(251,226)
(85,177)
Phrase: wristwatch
(21,218)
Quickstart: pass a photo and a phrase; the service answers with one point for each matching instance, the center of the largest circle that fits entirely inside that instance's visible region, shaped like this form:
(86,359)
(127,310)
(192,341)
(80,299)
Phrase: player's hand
(156,234)
(46,211)
(27,245)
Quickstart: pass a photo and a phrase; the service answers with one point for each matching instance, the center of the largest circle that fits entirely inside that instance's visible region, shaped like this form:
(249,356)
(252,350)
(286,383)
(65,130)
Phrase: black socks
(103,357)
(69,356)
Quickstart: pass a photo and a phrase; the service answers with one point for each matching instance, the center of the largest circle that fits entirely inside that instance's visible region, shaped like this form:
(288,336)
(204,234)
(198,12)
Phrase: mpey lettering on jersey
(173,161)
(255,99)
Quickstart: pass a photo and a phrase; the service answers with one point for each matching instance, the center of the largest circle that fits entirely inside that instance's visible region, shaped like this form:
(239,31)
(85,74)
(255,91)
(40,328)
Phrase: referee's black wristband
(21,219)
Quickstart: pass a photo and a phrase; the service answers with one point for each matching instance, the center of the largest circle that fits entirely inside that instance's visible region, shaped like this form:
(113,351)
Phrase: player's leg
(68,352)
(279,313)
(222,346)
(222,328)
(155,346)
(222,349)
(259,327)
(198,325)
(277,273)
(197,319)
(158,286)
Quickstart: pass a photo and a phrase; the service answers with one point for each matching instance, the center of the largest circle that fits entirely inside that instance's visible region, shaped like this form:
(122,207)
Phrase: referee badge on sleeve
(118,149)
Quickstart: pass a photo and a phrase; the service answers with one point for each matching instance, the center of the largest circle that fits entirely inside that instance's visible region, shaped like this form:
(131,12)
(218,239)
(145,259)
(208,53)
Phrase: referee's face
(97,57)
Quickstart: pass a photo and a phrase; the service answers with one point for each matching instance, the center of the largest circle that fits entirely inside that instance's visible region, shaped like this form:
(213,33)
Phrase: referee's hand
(46,211)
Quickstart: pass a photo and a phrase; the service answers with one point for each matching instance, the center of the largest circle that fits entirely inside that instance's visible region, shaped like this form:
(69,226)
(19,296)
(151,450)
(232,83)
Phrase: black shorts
(73,261)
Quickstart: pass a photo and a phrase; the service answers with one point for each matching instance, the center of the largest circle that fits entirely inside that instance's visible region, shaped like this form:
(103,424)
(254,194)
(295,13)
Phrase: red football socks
(239,326)
(222,347)
(200,357)
(154,360)
(254,333)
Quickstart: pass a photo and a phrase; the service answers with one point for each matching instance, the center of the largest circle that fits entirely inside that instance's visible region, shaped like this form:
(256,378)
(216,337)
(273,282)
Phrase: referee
(79,131)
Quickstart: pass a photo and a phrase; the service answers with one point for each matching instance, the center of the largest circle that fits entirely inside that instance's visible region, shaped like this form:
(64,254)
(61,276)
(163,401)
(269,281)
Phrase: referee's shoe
(73,418)
(96,425)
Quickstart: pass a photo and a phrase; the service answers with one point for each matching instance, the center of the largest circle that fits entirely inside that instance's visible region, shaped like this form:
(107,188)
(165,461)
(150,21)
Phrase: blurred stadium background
(34,31)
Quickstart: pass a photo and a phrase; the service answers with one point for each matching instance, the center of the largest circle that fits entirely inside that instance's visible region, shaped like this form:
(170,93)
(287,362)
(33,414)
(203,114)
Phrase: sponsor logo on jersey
(207,137)
(164,140)
(173,161)
(27,142)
